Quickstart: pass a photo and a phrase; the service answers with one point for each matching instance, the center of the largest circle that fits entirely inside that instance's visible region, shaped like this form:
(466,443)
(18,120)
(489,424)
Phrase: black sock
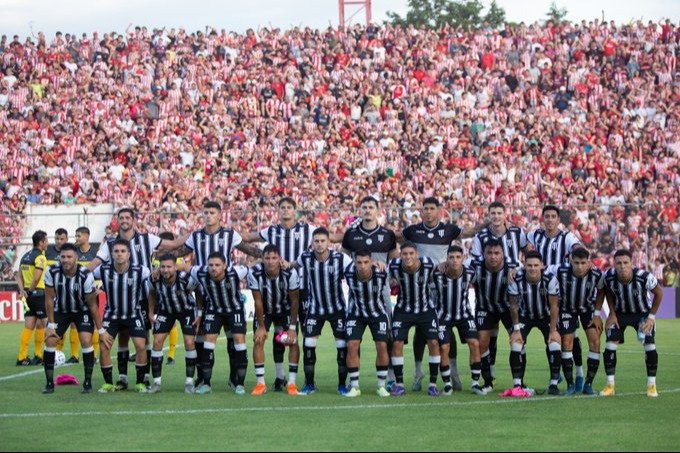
(190,364)
(568,369)
(652,362)
(141,371)
(523,356)
(88,364)
(123,357)
(309,361)
(453,351)
(555,363)
(231,352)
(486,370)
(353,376)
(593,365)
(147,367)
(610,361)
(446,374)
(48,363)
(476,371)
(199,358)
(157,366)
(207,363)
(279,351)
(398,373)
(434,372)
(341,357)
(577,351)
(516,367)
(241,361)
(107,372)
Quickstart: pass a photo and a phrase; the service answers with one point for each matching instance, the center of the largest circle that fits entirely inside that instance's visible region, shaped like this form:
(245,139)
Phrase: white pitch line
(224,410)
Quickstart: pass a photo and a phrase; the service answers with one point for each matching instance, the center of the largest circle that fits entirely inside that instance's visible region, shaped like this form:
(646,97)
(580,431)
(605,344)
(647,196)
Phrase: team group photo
(438,225)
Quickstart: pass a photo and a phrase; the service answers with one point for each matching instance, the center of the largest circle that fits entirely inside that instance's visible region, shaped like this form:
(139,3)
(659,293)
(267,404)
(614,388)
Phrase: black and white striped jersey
(202,243)
(514,240)
(69,292)
(176,297)
(322,281)
(124,291)
(634,296)
(451,294)
(275,291)
(224,295)
(491,287)
(367,297)
(554,250)
(414,288)
(291,242)
(432,242)
(142,247)
(577,295)
(532,298)
(380,241)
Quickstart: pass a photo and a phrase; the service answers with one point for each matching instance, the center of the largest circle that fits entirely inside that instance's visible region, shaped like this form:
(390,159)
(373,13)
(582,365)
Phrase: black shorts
(488,320)
(529,324)
(234,322)
(380,327)
(166,321)
(281,323)
(144,306)
(568,322)
(630,320)
(314,325)
(402,323)
(82,320)
(134,326)
(35,305)
(467,330)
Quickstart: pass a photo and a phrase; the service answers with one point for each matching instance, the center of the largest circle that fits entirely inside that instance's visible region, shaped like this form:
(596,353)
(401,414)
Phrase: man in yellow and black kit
(31,281)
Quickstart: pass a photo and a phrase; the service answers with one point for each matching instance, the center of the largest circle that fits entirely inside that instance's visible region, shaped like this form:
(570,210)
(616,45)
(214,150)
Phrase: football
(59,358)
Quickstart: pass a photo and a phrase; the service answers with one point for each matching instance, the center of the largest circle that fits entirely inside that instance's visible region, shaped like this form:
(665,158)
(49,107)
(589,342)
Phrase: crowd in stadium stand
(584,115)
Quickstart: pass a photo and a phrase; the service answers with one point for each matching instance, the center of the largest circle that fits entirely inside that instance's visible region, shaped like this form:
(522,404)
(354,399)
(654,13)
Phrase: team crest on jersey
(220,241)
(331,270)
(441,233)
(296,235)
(381,237)
(421,280)
(138,247)
(129,282)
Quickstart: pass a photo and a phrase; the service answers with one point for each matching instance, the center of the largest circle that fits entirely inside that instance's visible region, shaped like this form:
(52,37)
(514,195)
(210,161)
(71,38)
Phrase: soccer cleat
(390,385)
(24,362)
(342,389)
(477,390)
(107,388)
(279,385)
(608,390)
(651,391)
(141,388)
(154,388)
(588,389)
(308,389)
(37,361)
(239,390)
(448,390)
(417,382)
(382,392)
(529,390)
(578,384)
(432,391)
(488,388)
(73,360)
(189,387)
(170,361)
(553,390)
(48,390)
(292,389)
(352,393)
(398,390)
(203,389)
(121,385)
(571,390)
(259,390)
(87,388)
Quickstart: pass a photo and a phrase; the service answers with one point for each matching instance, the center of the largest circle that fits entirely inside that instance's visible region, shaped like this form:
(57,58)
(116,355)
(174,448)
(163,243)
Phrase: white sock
(579,371)
(419,369)
(651,380)
(157,380)
(610,380)
(279,371)
(292,377)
